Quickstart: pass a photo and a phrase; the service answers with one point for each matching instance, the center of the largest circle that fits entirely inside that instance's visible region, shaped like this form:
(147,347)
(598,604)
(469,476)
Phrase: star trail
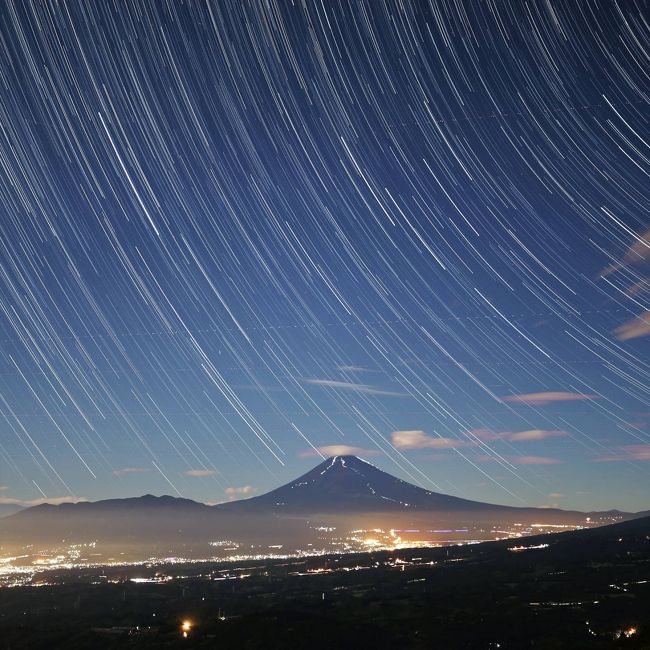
(239,236)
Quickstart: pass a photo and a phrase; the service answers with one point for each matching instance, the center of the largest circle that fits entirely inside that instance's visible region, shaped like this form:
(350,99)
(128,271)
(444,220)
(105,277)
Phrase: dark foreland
(343,504)
(586,589)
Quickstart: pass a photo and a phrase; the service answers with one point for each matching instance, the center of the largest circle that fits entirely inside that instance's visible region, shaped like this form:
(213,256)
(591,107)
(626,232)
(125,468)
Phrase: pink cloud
(338,450)
(244,490)
(520,460)
(484,434)
(421,440)
(542,399)
(634,328)
(487,435)
(627,425)
(637,253)
(537,460)
(129,470)
(627,453)
(536,434)
(199,473)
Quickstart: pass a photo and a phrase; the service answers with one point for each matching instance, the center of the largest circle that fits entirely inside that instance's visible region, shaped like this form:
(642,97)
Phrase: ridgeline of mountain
(7,509)
(128,520)
(343,491)
(350,484)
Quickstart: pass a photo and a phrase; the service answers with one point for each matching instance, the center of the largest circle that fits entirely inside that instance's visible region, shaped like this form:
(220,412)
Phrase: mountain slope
(342,493)
(349,484)
(131,519)
(7,509)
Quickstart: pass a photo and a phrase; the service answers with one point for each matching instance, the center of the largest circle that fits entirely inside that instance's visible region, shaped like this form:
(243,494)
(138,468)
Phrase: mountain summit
(350,484)
(343,493)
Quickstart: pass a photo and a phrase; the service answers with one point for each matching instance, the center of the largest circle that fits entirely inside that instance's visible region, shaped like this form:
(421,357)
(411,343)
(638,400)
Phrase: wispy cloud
(356,388)
(638,425)
(521,460)
(353,369)
(130,470)
(635,328)
(627,453)
(338,450)
(199,473)
(535,434)
(637,256)
(537,460)
(484,434)
(3,488)
(37,502)
(487,435)
(637,253)
(420,440)
(541,399)
(244,490)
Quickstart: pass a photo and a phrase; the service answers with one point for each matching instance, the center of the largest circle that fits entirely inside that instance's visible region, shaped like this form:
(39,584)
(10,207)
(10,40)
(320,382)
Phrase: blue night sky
(237,236)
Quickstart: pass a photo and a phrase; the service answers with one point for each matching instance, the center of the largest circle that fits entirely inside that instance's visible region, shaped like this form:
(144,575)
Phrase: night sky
(237,236)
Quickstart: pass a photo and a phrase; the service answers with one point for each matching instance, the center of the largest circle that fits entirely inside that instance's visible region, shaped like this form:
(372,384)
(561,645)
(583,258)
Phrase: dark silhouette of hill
(146,521)
(7,509)
(581,546)
(584,589)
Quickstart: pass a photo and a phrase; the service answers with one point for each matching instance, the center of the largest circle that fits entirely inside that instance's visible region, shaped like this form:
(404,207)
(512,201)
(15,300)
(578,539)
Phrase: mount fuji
(349,484)
(342,493)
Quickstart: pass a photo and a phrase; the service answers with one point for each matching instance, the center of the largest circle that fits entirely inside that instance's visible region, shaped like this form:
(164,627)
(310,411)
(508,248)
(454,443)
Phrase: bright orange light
(186,626)
(631,631)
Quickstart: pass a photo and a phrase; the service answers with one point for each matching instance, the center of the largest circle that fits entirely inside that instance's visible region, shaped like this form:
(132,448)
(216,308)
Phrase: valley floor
(589,589)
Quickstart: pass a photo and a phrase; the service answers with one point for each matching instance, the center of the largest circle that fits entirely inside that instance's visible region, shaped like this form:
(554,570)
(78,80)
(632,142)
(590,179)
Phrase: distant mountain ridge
(344,491)
(7,509)
(144,502)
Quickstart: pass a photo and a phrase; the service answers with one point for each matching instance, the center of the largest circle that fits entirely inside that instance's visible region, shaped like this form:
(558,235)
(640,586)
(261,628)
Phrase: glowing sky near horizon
(239,236)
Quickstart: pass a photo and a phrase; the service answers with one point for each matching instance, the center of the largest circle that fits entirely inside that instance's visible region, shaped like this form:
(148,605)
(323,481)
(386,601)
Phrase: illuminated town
(27,567)
(202,594)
